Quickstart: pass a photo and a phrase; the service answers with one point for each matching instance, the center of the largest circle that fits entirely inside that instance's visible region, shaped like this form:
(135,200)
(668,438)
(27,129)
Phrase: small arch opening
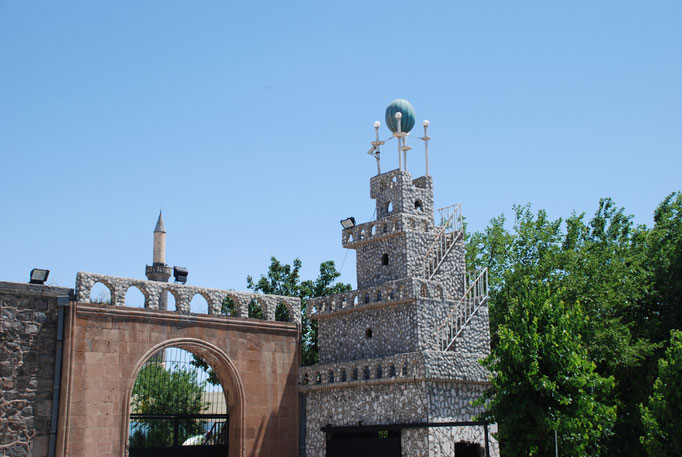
(343,375)
(100,293)
(368,333)
(384,259)
(256,310)
(365,373)
(135,298)
(282,313)
(170,301)
(355,374)
(229,307)
(199,304)
(418,205)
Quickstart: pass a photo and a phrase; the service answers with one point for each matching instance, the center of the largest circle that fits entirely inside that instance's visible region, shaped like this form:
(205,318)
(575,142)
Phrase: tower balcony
(392,293)
(385,227)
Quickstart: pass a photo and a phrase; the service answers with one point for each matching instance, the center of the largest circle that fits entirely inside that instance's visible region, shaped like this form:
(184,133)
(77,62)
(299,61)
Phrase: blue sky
(249,122)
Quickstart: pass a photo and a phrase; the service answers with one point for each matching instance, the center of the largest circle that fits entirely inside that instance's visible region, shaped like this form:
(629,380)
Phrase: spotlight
(348,223)
(180,274)
(39,276)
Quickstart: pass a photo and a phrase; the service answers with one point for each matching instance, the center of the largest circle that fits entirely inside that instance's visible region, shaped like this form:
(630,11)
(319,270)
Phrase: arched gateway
(106,346)
(191,417)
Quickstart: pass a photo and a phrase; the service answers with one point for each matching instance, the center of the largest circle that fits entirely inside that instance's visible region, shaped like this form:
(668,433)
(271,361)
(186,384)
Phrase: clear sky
(249,122)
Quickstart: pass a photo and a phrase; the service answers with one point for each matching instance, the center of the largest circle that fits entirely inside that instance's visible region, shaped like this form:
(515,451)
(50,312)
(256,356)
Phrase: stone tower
(398,357)
(158,270)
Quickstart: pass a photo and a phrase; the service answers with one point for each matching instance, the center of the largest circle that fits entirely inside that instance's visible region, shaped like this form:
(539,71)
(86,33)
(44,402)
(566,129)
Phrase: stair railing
(450,230)
(475,295)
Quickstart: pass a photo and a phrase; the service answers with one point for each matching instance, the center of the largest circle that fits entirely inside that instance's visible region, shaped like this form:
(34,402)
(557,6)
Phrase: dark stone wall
(28,334)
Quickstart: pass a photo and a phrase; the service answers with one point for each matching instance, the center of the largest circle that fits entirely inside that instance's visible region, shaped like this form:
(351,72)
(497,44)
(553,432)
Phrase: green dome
(404,107)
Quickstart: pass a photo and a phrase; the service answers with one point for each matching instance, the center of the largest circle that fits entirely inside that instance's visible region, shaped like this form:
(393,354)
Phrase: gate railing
(142,428)
(474,296)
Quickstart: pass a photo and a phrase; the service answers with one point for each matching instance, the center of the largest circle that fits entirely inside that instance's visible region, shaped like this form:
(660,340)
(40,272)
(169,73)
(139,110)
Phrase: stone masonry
(28,314)
(380,353)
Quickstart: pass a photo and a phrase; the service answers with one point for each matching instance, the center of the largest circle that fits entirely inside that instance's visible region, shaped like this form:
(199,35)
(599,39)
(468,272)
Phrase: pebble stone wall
(395,403)
(27,355)
(183,295)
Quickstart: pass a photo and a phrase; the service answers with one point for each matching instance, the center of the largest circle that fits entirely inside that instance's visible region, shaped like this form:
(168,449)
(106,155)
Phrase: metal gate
(178,408)
(364,443)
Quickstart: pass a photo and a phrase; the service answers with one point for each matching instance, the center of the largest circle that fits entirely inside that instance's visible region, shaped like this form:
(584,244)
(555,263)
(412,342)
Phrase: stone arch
(177,297)
(203,295)
(223,367)
(283,312)
(255,306)
(231,304)
(143,290)
(100,299)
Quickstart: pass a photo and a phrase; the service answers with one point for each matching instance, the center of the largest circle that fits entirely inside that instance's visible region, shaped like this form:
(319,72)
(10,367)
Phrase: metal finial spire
(398,118)
(426,139)
(374,151)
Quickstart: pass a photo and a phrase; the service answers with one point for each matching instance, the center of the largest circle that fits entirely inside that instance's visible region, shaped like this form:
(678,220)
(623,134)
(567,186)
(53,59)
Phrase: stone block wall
(28,333)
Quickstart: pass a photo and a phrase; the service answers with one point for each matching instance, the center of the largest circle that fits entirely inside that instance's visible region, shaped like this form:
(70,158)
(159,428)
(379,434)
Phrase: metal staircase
(450,232)
(475,296)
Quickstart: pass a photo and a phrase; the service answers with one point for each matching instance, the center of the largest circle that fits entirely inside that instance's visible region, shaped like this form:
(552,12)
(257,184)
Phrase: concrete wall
(28,333)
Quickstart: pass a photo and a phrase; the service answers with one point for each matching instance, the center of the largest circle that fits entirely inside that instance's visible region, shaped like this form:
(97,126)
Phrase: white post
(426,146)
(405,153)
(377,124)
(398,117)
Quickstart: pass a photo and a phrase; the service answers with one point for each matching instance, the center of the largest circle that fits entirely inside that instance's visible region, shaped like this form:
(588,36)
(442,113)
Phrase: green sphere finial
(407,121)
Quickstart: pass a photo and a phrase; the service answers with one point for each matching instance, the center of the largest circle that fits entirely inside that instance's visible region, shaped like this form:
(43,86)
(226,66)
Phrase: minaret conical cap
(159,224)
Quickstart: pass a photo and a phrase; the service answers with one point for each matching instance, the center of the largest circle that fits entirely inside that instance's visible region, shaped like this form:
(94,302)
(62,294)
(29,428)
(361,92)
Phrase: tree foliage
(626,279)
(284,279)
(543,379)
(662,414)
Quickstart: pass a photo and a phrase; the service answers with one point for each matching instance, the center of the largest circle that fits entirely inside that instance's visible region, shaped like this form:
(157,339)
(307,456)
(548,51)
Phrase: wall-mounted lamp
(180,274)
(39,276)
(348,223)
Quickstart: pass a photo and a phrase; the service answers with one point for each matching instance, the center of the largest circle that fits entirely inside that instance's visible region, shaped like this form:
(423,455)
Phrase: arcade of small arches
(183,295)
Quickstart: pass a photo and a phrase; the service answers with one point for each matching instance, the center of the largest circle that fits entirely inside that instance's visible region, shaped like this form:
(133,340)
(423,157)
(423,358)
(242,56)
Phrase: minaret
(159,271)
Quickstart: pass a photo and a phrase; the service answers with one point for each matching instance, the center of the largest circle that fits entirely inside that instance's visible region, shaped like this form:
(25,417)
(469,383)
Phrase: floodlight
(348,223)
(39,276)
(180,274)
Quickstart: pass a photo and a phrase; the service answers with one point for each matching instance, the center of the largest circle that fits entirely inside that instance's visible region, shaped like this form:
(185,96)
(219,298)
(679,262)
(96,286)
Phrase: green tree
(284,279)
(161,391)
(662,310)
(543,379)
(662,415)
(599,263)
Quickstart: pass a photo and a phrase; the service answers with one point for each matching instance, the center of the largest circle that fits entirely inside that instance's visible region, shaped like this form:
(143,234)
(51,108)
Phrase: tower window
(418,205)
(368,333)
(384,259)
(389,207)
